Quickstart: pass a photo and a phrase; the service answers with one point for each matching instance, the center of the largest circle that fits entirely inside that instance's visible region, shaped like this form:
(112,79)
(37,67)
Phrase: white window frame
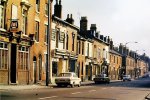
(38,6)
(3,49)
(1,16)
(45,39)
(25,61)
(24,22)
(46,9)
(37,31)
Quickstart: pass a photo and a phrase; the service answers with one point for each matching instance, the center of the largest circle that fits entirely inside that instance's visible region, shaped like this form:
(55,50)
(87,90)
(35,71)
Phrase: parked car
(126,78)
(102,78)
(68,78)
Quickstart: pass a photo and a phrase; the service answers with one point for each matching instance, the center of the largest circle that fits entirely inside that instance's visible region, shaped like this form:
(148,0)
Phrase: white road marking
(103,88)
(76,93)
(48,97)
(92,90)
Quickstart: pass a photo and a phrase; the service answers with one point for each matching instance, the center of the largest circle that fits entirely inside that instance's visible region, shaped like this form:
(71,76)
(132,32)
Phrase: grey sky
(122,20)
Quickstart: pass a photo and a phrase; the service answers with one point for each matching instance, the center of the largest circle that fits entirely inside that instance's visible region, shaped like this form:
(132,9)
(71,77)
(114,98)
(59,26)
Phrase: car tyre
(79,84)
(58,85)
(72,85)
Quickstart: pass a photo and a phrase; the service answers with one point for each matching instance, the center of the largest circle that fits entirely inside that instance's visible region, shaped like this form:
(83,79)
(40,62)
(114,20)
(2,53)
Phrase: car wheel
(72,85)
(59,85)
(79,84)
(96,82)
(108,82)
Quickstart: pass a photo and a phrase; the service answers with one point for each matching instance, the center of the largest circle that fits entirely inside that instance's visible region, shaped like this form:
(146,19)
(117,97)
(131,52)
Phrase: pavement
(40,86)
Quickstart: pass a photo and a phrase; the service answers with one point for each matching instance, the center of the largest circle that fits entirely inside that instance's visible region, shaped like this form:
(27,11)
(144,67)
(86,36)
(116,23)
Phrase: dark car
(102,78)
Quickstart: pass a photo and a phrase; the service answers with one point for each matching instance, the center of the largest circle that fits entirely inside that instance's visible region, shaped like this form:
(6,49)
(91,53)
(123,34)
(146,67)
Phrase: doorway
(34,69)
(40,67)
(13,63)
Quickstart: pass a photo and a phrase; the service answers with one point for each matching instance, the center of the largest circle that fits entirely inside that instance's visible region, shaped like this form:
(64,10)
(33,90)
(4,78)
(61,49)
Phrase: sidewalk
(38,86)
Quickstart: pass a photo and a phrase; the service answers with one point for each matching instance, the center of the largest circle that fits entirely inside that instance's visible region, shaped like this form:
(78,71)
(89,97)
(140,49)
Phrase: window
(82,48)
(57,37)
(64,42)
(73,40)
(79,46)
(3,55)
(23,57)
(37,31)
(38,5)
(46,9)
(1,16)
(45,40)
(117,60)
(24,22)
(82,70)
(67,42)
(114,59)
(88,50)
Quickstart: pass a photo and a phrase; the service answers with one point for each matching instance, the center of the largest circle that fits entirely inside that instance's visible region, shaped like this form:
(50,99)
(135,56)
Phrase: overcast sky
(122,20)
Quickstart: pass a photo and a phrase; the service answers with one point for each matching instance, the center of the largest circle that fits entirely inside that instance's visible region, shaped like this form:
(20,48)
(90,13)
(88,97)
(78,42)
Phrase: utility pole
(48,56)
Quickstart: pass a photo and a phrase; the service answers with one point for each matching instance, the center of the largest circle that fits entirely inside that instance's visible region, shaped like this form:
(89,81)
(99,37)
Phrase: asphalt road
(133,90)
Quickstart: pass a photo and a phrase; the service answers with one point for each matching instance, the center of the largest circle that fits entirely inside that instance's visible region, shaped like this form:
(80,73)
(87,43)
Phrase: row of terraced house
(23,46)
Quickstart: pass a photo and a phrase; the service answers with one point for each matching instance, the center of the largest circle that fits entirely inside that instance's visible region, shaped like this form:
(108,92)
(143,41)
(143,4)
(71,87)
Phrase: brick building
(115,62)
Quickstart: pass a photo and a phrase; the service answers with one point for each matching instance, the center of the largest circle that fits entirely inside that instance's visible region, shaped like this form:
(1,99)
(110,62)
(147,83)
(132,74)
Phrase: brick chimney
(83,24)
(58,9)
(93,27)
(70,19)
(111,44)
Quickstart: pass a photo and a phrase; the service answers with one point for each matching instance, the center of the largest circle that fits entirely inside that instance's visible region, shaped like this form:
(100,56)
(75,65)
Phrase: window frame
(37,31)
(2,16)
(4,61)
(37,5)
(23,61)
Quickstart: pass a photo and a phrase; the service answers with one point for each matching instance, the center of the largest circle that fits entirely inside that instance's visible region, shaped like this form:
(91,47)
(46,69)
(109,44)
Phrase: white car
(68,78)
(126,78)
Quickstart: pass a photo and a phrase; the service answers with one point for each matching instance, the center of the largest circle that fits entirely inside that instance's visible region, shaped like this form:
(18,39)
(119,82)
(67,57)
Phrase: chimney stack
(70,19)
(58,9)
(93,27)
(83,24)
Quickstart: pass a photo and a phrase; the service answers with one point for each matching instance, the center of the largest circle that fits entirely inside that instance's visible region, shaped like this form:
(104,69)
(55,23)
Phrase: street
(129,90)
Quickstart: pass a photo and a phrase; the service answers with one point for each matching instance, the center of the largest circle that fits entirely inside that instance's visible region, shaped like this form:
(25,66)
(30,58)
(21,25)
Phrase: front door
(13,63)
(34,71)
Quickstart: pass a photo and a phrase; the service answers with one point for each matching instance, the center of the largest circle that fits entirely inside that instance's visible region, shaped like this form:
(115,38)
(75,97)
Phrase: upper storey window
(38,5)
(1,15)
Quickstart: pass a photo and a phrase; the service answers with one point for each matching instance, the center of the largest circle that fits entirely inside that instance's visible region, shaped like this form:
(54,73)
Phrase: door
(13,63)
(34,71)
(40,67)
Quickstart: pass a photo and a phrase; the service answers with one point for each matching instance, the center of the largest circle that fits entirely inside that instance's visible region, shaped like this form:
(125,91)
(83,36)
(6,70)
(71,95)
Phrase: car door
(76,79)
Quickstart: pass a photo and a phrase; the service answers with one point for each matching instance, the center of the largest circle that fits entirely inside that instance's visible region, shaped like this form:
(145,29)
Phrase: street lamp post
(48,58)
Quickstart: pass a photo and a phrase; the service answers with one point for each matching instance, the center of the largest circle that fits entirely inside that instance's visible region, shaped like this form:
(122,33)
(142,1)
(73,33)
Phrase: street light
(126,46)
(129,42)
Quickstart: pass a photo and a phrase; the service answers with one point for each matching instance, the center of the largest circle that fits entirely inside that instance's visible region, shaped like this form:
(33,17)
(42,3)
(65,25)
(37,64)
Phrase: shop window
(23,57)
(3,55)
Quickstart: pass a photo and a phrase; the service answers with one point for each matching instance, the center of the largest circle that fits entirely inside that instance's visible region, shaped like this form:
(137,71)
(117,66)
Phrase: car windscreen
(64,75)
